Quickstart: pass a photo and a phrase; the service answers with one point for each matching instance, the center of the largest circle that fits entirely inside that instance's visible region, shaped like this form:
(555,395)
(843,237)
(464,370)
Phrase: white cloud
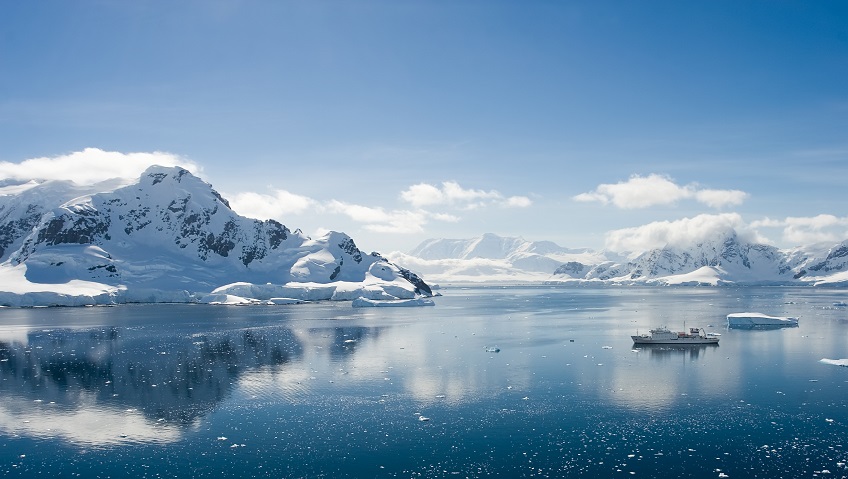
(654,189)
(518,202)
(277,205)
(799,230)
(383,221)
(680,233)
(721,198)
(92,165)
(423,195)
(452,194)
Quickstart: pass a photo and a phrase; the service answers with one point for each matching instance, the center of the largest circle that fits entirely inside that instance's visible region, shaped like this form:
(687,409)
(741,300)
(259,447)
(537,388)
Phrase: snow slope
(169,237)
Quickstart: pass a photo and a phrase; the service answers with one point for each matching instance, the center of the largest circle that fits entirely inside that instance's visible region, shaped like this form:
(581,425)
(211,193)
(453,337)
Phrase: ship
(663,335)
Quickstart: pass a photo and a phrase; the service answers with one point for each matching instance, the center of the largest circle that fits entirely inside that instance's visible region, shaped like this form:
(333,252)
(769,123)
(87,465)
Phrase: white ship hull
(663,335)
(678,342)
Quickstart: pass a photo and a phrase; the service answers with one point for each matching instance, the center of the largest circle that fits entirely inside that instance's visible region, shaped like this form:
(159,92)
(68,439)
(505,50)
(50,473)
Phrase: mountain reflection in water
(115,373)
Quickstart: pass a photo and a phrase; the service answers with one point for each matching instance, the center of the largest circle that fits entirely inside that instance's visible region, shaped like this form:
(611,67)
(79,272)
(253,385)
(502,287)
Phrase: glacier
(170,237)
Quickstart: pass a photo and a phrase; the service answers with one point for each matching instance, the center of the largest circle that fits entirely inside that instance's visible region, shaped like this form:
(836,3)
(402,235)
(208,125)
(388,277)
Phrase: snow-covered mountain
(492,258)
(725,258)
(171,237)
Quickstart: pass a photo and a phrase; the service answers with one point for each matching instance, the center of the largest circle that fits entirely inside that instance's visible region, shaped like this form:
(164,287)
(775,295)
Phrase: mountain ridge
(172,232)
(724,258)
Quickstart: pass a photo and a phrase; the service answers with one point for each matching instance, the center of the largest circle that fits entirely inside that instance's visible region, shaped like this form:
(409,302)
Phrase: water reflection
(662,352)
(113,385)
(762,327)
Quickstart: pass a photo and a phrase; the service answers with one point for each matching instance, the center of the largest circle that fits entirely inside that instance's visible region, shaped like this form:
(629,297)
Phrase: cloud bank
(654,189)
(278,204)
(428,204)
(677,234)
(808,230)
(452,194)
(92,165)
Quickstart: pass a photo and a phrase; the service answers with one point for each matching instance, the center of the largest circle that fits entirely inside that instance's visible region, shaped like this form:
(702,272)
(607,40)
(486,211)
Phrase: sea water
(518,381)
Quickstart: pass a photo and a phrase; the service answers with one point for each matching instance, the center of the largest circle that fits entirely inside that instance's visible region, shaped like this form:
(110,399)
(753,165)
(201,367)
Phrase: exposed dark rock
(421,287)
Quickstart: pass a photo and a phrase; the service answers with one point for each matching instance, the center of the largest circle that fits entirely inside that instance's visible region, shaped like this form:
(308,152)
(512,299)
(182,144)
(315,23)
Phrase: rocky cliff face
(169,230)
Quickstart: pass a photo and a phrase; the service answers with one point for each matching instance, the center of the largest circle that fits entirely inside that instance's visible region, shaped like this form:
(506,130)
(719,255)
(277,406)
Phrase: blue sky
(576,122)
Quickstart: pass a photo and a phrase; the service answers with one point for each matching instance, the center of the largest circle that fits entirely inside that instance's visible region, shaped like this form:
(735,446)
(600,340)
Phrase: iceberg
(759,320)
(835,362)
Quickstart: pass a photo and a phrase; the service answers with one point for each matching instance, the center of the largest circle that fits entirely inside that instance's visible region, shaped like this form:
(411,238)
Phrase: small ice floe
(493,349)
(835,362)
(284,301)
(374,303)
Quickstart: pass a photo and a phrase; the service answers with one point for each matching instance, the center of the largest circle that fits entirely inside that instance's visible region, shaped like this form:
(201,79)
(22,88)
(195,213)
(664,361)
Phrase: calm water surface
(327,390)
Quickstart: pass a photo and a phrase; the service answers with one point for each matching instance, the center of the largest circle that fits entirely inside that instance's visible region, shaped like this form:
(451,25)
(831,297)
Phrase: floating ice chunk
(758,320)
(373,303)
(284,301)
(835,362)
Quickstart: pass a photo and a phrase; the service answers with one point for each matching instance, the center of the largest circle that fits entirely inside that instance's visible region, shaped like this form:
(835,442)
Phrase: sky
(600,124)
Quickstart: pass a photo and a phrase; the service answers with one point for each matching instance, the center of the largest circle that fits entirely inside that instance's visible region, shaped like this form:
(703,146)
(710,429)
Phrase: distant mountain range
(720,260)
(169,236)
